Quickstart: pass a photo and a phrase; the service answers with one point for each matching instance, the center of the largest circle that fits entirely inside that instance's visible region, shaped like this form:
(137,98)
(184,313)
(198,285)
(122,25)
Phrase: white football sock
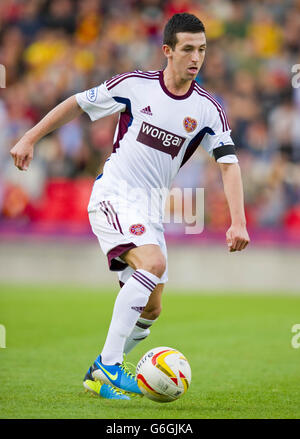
(139,333)
(129,305)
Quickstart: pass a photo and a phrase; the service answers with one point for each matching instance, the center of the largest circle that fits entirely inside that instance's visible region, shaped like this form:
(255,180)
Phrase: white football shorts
(120,226)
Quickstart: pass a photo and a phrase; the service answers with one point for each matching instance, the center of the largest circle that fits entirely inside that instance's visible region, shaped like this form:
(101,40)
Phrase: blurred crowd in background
(53,49)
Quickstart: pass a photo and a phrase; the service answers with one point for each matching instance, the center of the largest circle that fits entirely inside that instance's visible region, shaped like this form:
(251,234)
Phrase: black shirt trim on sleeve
(223,150)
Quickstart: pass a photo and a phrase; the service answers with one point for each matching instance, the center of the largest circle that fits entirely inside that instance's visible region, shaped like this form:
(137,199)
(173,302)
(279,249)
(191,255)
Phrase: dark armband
(223,150)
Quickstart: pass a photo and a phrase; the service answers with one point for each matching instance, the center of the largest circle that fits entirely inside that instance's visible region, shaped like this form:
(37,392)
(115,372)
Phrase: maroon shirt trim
(171,95)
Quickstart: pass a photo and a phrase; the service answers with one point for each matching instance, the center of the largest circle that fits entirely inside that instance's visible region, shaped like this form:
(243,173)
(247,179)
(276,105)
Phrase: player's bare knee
(146,257)
(155,265)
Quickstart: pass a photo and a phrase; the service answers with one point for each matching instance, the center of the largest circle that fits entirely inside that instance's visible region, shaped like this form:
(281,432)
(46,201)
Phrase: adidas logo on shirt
(147,110)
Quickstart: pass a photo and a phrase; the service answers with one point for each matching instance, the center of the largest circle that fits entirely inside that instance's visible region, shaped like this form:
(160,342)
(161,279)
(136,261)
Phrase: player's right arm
(22,152)
(97,102)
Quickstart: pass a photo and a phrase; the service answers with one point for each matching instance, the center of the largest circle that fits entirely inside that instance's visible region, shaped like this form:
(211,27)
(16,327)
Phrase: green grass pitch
(239,349)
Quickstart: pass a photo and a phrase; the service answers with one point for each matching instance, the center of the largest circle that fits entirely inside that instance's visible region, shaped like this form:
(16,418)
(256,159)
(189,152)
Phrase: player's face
(188,54)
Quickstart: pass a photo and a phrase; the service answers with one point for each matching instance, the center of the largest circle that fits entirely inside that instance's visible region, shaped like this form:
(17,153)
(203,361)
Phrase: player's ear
(167,50)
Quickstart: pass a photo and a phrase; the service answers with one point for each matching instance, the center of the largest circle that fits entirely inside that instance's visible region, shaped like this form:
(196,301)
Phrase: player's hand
(237,238)
(22,153)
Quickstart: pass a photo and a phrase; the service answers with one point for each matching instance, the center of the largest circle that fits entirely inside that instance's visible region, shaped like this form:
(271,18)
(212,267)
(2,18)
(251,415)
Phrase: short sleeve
(218,136)
(98,102)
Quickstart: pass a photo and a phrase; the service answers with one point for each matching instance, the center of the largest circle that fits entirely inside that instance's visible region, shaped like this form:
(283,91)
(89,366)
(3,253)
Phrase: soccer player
(164,116)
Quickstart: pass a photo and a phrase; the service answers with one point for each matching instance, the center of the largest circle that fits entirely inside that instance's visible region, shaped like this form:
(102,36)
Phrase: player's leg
(116,236)
(101,223)
(153,307)
(149,265)
(150,314)
(141,330)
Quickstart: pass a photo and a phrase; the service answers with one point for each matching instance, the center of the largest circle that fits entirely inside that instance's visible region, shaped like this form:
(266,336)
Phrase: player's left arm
(236,236)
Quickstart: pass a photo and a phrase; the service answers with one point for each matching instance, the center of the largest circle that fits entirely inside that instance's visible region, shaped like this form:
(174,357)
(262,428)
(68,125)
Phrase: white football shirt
(157,131)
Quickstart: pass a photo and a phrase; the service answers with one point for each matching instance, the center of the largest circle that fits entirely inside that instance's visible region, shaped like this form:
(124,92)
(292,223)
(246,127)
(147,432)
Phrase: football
(163,374)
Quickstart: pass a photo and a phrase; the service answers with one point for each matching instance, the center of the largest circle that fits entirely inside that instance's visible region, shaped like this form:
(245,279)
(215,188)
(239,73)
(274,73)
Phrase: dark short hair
(181,23)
